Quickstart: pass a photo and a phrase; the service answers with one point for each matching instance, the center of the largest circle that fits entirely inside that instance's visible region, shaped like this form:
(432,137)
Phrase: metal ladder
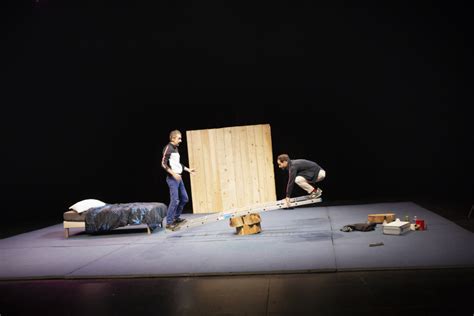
(257,208)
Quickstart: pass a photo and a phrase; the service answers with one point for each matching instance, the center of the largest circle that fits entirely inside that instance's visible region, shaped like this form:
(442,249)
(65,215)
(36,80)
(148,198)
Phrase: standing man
(304,172)
(178,195)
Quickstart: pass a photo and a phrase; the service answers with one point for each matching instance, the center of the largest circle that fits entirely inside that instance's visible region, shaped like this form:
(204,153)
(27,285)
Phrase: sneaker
(171,226)
(316,193)
(179,220)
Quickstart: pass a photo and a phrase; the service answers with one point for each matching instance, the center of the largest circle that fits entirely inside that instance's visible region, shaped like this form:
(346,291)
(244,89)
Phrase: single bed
(110,216)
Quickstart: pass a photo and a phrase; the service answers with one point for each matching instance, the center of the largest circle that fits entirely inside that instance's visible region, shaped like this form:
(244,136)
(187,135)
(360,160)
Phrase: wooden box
(379,218)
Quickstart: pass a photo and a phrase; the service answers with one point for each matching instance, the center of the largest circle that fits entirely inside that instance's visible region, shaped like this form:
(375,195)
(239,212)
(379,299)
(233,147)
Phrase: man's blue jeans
(178,198)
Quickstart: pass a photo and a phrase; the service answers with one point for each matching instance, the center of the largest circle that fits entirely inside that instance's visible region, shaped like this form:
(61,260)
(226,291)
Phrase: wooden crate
(234,167)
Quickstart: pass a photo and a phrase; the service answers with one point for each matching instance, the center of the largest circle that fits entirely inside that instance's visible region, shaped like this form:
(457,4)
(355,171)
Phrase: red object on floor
(421,224)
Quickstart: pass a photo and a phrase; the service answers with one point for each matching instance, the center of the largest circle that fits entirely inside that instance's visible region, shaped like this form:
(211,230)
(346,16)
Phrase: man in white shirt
(178,195)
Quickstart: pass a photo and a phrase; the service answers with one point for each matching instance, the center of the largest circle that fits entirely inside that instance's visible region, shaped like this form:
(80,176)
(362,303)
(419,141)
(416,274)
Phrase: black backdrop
(378,96)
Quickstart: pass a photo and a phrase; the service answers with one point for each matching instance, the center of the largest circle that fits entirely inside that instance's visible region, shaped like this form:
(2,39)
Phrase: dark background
(378,96)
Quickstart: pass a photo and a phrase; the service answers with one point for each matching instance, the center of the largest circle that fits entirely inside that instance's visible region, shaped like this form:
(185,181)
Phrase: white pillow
(84,205)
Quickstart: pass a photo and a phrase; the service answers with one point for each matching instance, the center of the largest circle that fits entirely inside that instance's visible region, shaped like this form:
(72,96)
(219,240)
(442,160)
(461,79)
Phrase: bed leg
(66,232)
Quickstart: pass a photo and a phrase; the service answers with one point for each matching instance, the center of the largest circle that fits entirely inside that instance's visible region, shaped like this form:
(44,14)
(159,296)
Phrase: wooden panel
(234,167)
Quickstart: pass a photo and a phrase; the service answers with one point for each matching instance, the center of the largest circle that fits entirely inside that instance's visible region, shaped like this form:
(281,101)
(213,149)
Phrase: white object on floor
(396,227)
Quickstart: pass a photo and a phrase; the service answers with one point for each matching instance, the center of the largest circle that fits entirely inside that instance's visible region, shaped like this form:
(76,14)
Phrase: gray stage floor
(298,240)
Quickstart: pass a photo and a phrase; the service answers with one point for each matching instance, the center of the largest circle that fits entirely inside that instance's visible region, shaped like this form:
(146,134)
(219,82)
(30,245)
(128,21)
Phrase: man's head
(175,137)
(282,161)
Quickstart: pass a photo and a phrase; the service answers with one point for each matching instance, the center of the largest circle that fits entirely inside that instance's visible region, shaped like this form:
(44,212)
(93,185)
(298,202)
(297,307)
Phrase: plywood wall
(234,167)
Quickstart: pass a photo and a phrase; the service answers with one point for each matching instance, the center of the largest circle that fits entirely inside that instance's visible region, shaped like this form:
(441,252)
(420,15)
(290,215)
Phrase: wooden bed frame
(71,224)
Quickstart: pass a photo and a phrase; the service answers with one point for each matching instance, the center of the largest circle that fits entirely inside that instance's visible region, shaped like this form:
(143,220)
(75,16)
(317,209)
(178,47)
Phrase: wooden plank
(200,176)
(192,164)
(238,172)
(260,163)
(255,194)
(215,186)
(207,171)
(69,224)
(232,195)
(203,179)
(221,168)
(246,172)
(269,170)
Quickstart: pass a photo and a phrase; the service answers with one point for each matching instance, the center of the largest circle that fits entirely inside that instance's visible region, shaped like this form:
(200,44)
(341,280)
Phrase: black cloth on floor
(363,227)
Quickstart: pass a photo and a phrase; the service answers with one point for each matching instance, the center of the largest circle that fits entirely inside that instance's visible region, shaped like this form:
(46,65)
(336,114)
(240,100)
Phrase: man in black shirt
(304,173)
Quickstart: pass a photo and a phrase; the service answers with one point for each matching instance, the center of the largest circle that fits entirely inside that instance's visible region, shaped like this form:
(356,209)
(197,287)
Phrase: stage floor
(292,241)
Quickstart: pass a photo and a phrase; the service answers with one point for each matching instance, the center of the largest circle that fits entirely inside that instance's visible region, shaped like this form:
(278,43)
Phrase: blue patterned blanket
(111,216)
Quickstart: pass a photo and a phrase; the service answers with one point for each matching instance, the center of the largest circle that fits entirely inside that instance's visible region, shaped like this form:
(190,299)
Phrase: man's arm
(166,157)
(291,181)
(190,170)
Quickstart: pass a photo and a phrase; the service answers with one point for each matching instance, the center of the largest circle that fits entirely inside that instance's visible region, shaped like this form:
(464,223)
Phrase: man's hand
(191,170)
(177,177)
